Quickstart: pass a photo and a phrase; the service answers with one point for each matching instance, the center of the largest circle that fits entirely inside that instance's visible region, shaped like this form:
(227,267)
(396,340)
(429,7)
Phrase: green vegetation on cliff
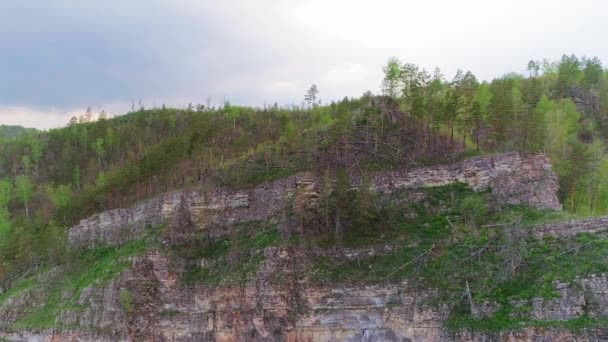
(231,260)
(62,288)
(51,180)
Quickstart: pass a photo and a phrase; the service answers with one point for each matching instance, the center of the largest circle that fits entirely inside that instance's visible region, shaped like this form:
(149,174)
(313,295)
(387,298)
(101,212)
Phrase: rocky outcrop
(570,300)
(279,302)
(271,308)
(513,178)
(99,310)
(147,302)
(586,102)
(218,206)
(571,228)
(526,334)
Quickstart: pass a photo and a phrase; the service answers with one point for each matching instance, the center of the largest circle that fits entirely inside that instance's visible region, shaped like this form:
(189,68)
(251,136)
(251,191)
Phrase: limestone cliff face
(513,178)
(279,302)
(280,305)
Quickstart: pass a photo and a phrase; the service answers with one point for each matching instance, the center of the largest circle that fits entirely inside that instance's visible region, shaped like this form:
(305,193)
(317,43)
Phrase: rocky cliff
(281,301)
(268,309)
(513,178)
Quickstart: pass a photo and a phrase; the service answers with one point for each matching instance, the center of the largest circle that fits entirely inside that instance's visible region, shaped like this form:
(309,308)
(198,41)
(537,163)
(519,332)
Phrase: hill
(11,132)
(379,189)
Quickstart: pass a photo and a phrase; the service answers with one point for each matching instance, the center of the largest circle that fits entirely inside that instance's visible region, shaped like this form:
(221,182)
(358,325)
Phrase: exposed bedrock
(513,178)
(279,305)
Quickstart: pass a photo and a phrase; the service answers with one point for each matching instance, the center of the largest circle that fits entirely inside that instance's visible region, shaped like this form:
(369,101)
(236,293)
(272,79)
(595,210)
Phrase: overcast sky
(59,56)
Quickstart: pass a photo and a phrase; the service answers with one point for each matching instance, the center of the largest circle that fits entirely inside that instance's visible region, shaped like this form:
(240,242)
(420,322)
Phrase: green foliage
(6,193)
(500,109)
(18,289)
(412,235)
(26,163)
(99,149)
(392,75)
(249,176)
(235,275)
(23,190)
(568,74)
(429,247)
(60,196)
(435,243)
(91,268)
(125,300)
(90,166)
(8,133)
(473,210)
(501,321)
(230,261)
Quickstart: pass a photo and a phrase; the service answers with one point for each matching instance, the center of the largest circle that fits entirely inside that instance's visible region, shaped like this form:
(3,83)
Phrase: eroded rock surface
(279,305)
(571,228)
(148,302)
(513,178)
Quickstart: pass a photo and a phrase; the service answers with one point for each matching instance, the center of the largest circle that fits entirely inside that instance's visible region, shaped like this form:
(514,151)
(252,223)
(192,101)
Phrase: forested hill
(11,132)
(50,180)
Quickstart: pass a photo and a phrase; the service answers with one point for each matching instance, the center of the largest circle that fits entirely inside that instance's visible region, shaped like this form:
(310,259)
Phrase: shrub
(473,210)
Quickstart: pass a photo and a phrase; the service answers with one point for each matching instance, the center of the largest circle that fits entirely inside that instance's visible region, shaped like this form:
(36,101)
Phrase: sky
(58,57)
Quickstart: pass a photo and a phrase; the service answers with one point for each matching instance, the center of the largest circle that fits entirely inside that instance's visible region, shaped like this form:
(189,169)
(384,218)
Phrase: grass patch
(399,219)
(449,265)
(440,247)
(436,249)
(501,321)
(125,300)
(531,217)
(22,286)
(378,269)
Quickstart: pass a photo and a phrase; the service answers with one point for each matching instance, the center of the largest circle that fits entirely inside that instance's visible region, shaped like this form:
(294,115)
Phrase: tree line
(559,108)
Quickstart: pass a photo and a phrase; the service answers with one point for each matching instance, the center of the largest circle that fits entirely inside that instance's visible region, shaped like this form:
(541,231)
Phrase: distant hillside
(11,132)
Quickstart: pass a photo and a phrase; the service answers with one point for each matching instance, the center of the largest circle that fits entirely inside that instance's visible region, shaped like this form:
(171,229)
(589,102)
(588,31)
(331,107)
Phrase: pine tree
(102,115)
(568,72)
(392,77)
(311,95)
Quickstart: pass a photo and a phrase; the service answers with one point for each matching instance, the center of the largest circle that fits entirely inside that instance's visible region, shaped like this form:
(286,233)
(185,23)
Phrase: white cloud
(112,53)
(52,117)
(28,117)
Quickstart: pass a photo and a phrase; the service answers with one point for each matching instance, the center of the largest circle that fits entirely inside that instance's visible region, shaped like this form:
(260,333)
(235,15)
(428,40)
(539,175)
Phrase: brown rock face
(147,302)
(279,305)
(513,178)
(571,228)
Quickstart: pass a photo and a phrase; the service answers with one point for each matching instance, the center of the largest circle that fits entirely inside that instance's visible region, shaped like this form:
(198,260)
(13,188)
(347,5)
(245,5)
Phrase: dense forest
(11,132)
(49,180)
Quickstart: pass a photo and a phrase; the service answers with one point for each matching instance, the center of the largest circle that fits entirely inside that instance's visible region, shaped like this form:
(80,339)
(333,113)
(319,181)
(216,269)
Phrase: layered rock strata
(513,178)
(268,309)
